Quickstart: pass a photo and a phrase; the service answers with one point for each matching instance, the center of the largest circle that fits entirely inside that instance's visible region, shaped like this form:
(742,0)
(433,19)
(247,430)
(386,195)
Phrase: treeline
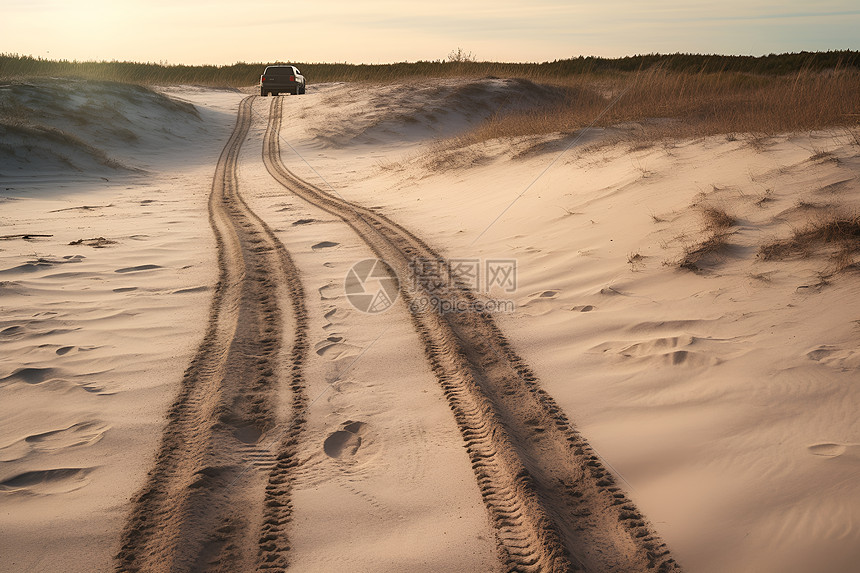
(775,64)
(244,74)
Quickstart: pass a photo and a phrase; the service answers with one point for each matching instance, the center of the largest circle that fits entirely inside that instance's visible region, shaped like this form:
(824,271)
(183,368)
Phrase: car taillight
(262,78)
(292,78)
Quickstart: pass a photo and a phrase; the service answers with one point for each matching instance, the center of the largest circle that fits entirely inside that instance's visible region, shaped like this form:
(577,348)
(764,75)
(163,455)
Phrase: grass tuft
(717,219)
(842,231)
(713,245)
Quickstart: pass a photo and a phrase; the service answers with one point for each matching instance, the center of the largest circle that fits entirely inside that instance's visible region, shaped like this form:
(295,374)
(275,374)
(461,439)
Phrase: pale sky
(384,31)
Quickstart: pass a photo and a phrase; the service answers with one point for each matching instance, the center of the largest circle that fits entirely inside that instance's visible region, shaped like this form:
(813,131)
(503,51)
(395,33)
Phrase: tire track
(202,508)
(553,504)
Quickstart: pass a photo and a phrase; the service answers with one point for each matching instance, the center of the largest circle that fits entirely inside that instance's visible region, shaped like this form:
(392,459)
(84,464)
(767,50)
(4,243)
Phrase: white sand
(726,400)
(95,340)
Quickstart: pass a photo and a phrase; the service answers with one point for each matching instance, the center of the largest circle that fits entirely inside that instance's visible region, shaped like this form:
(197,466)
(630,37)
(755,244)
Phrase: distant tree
(459,55)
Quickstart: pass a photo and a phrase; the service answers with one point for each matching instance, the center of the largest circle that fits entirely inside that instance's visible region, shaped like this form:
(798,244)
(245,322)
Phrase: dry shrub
(716,224)
(716,218)
(841,231)
(766,197)
(713,245)
(636,260)
(802,205)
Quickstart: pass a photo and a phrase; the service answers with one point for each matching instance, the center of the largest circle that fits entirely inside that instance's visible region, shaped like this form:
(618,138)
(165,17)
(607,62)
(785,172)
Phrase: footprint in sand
(329,292)
(42,263)
(324,245)
(47,482)
(663,351)
(821,352)
(843,359)
(14,330)
(345,443)
(333,317)
(138,268)
(30,375)
(51,379)
(190,290)
(325,347)
(80,434)
(334,348)
(538,303)
(830,449)
(658,345)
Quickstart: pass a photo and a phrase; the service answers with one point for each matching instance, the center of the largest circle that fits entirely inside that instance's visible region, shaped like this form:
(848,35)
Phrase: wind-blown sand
(723,399)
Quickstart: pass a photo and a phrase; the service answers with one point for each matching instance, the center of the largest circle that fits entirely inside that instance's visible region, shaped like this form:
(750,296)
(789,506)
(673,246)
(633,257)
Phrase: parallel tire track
(553,504)
(202,508)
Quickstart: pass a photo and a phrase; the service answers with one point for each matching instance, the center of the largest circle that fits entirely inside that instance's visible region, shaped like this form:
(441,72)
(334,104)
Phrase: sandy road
(218,497)
(553,504)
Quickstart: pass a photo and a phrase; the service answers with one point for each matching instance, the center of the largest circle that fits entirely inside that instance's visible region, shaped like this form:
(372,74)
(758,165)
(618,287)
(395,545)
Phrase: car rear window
(279,72)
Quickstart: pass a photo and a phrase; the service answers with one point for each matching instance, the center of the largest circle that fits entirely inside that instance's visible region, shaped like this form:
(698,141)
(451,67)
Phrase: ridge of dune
(67,127)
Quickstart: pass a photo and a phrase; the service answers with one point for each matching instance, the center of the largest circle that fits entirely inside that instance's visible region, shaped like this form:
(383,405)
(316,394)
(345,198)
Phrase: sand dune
(700,387)
(99,316)
(416,111)
(89,128)
(711,387)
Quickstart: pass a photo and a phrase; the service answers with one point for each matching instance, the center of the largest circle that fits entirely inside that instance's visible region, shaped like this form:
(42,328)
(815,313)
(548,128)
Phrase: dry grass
(647,98)
(802,205)
(636,260)
(717,218)
(840,231)
(458,64)
(712,246)
(658,104)
(765,198)
(822,156)
(716,225)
